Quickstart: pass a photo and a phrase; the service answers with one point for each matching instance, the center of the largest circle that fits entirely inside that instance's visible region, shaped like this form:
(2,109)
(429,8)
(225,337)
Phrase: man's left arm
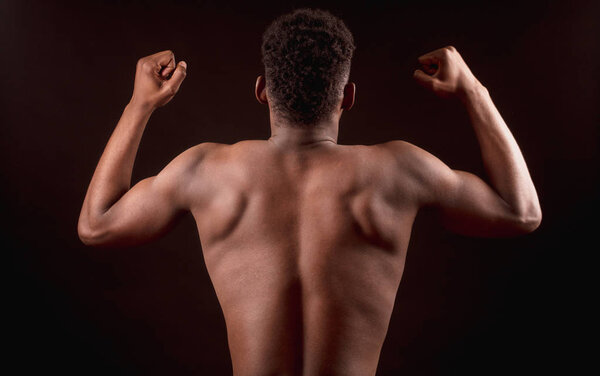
(112,212)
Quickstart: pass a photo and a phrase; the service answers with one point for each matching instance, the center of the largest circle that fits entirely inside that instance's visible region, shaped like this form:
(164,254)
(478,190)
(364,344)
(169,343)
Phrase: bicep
(151,207)
(466,203)
(469,206)
(147,211)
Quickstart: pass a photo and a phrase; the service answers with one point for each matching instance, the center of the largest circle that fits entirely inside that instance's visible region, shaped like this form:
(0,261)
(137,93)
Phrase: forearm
(112,177)
(501,155)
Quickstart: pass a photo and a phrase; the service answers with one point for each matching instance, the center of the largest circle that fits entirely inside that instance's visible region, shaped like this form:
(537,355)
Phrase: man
(304,239)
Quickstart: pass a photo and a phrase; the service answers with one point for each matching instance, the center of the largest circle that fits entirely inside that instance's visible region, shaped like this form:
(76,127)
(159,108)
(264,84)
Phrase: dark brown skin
(304,239)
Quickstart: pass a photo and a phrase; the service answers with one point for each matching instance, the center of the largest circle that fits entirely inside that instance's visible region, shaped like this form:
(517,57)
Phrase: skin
(304,239)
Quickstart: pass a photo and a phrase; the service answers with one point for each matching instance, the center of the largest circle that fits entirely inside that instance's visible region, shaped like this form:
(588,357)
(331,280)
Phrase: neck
(290,136)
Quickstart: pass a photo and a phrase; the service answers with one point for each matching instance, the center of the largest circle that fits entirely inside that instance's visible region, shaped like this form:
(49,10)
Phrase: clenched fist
(157,79)
(446,73)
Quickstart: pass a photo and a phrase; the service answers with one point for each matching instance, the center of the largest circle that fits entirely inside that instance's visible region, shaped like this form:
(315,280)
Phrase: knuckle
(147,65)
(451,48)
(170,90)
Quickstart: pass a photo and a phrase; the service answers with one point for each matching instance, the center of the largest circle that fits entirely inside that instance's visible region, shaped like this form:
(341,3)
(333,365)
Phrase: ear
(260,90)
(349,95)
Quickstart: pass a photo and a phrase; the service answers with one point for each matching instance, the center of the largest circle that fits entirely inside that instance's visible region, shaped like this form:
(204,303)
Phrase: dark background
(513,306)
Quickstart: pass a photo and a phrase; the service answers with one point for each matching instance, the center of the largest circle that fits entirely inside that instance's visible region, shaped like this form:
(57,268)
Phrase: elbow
(529,222)
(88,234)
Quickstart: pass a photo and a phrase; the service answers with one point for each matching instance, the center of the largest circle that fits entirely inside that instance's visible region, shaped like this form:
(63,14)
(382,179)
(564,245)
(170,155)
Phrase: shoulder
(194,155)
(403,148)
(409,155)
(194,158)
(199,152)
(427,172)
(184,165)
(177,177)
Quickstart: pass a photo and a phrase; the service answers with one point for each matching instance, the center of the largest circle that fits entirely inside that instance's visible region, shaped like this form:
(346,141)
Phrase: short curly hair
(306,54)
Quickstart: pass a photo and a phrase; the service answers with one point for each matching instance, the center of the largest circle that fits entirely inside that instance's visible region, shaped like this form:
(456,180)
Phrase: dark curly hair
(307,56)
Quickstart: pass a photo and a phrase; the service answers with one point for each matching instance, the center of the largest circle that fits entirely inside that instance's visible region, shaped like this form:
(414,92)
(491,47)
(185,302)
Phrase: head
(307,56)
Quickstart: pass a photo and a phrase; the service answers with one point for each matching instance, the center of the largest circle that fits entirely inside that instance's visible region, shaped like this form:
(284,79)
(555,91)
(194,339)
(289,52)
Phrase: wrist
(472,93)
(140,106)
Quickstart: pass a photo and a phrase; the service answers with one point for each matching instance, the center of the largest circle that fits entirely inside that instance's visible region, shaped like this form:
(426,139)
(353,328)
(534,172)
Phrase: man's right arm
(507,206)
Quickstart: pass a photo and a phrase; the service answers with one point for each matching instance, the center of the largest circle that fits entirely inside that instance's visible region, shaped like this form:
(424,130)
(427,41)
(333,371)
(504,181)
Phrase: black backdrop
(464,305)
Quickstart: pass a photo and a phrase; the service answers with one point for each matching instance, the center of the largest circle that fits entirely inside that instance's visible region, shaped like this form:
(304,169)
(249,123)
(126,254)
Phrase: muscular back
(306,245)
(305,250)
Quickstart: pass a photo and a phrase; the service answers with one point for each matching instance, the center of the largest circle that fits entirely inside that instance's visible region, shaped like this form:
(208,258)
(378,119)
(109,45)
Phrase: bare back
(305,251)
(306,245)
